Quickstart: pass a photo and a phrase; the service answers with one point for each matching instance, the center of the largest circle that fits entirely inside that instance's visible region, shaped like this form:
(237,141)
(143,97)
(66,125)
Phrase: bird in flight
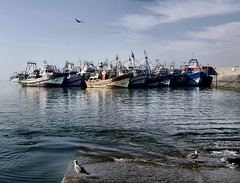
(79,21)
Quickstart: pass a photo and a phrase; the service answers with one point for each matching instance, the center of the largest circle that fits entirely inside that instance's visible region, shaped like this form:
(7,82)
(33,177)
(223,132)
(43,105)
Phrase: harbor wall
(226,77)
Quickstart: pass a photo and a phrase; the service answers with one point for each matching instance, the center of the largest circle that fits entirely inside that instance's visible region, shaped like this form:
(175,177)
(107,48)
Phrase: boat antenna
(80,63)
(193,56)
(157,60)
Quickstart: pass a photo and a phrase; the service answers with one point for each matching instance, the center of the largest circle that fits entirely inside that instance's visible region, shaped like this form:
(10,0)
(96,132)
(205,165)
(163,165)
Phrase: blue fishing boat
(154,79)
(72,76)
(194,73)
(138,77)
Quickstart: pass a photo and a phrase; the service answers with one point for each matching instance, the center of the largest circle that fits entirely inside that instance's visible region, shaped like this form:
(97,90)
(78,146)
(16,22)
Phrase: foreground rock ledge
(128,172)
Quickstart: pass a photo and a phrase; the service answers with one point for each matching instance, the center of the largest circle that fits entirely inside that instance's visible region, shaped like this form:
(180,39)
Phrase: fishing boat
(72,76)
(105,79)
(177,78)
(155,79)
(87,70)
(207,81)
(138,77)
(115,82)
(47,76)
(194,73)
(15,78)
(18,77)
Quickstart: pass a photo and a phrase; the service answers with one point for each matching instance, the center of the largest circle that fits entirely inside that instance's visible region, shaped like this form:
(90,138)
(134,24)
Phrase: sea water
(42,129)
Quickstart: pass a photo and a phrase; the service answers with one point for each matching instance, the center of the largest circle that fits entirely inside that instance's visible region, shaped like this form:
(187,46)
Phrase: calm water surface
(42,129)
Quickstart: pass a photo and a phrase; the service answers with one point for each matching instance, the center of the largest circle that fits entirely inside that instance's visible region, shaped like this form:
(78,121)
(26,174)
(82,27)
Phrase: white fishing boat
(87,70)
(18,77)
(15,78)
(47,76)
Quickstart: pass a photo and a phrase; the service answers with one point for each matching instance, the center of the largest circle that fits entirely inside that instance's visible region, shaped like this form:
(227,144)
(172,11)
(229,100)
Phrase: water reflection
(157,125)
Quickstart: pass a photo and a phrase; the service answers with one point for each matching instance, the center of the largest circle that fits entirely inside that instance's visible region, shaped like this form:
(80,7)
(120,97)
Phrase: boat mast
(117,65)
(195,62)
(80,64)
(193,57)
(134,71)
(147,63)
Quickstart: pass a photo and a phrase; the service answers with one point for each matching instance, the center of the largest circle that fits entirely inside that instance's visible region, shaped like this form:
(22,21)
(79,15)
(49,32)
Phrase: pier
(130,172)
(226,77)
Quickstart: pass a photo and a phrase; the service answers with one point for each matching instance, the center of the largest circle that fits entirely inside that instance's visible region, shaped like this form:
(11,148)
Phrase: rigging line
(125,61)
(237,79)
(138,62)
(150,62)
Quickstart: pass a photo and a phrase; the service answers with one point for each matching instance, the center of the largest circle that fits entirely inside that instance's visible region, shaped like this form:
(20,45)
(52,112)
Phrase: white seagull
(193,155)
(79,168)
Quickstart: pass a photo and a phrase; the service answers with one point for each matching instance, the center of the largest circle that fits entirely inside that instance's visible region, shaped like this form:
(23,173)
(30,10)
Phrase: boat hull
(47,81)
(116,82)
(178,81)
(165,81)
(138,81)
(158,81)
(207,81)
(15,80)
(152,82)
(73,81)
(195,79)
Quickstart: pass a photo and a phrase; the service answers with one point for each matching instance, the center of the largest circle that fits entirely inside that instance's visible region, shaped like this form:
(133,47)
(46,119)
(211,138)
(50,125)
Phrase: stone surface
(131,172)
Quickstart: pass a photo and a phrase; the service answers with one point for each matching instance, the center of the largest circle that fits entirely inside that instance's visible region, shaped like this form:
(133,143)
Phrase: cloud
(138,22)
(216,45)
(225,36)
(207,53)
(174,10)
(225,32)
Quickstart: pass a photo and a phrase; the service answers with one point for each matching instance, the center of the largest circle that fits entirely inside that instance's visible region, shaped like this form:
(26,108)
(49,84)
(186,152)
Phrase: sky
(169,30)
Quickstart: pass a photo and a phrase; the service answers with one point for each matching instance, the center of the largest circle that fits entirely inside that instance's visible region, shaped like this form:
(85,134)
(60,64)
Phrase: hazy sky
(170,30)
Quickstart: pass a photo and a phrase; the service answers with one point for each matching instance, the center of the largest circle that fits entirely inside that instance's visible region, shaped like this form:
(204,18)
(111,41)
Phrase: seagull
(193,155)
(79,21)
(79,168)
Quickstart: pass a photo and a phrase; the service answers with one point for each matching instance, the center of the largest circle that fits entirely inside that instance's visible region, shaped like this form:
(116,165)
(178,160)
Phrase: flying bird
(79,168)
(79,21)
(193,155)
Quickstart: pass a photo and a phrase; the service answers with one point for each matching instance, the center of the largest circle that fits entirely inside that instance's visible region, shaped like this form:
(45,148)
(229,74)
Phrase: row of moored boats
(118,76)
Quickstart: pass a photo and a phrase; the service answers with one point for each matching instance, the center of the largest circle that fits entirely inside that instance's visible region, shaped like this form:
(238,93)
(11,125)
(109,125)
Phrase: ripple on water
(48,126)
